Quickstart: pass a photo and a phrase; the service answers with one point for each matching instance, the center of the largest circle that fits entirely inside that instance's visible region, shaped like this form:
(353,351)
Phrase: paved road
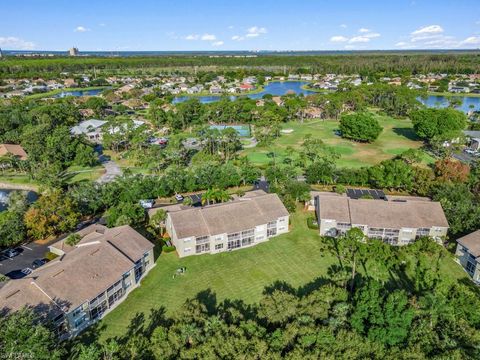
(464,157)
(112,170)
(30,253)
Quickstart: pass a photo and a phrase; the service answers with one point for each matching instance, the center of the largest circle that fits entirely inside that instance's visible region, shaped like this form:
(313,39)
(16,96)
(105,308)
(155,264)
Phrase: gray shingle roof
(238,215)
(471,242)
(382,214)
(94,264)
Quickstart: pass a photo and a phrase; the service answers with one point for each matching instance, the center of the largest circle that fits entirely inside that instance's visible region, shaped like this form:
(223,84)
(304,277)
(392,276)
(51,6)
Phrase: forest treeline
(358,63)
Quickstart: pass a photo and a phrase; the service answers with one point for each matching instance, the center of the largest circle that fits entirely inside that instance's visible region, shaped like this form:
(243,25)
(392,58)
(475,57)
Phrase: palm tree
(157,220)
(208,196)
(222,196)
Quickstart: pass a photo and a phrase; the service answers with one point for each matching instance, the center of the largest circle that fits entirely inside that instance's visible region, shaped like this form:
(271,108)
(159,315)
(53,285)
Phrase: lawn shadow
(235,311)
(408,133)
(279,285)
(209,299)
(312,286)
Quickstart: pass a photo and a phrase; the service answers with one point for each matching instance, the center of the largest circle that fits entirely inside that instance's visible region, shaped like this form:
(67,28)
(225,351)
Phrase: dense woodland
(368,63)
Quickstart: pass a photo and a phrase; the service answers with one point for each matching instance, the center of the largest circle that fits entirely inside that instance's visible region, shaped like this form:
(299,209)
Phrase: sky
(180,25)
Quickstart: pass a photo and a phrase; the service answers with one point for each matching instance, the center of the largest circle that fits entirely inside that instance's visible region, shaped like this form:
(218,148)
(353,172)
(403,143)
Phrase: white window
(260,237)
(186,240)
(187,249)
(281,228)
(218,246)
(218,238)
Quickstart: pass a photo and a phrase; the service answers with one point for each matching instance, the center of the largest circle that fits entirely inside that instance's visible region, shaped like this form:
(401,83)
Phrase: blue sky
(239,25)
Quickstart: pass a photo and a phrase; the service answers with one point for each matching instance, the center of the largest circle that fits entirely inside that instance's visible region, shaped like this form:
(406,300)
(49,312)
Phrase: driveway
(29,252)
(464,157)
(112,170)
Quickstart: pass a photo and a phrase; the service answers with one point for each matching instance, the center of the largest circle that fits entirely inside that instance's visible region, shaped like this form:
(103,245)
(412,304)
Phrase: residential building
(396,222)
(243,222)
(468,254)
(86,281)
(92,129)
(14,150)
(473,139)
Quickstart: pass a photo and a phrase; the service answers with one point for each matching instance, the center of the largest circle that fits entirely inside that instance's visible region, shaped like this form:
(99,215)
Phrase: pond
(467,103)
(279,88)
(91,92)
(4,194)
(275,88)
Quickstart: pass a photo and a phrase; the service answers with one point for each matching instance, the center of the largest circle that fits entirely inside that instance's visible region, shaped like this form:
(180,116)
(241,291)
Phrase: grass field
(295,258)
(75,174)
(397,136)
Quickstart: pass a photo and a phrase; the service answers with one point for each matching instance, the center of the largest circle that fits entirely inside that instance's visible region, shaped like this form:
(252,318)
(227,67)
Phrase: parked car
(19,274)
(469,151)
(147,204)
(179,197)
(39,262)
(11,253)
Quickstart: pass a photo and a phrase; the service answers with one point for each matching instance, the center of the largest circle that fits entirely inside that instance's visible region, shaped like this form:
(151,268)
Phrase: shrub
(168,249)
(73,239)
(312,223)
(50,256)
(340,189)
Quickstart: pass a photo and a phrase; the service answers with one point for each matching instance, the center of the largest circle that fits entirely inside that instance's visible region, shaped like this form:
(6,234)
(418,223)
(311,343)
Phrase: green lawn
(17,179)
(397,136)
(75,174)
(295,258)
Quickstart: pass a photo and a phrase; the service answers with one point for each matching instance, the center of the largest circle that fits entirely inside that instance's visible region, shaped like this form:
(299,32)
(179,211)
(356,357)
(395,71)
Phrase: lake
(468,103)
(91,92)
(279,88)
(4,193)
(275,88)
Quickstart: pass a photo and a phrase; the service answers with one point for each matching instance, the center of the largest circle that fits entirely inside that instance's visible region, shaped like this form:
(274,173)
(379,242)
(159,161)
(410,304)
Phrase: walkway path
(112,170)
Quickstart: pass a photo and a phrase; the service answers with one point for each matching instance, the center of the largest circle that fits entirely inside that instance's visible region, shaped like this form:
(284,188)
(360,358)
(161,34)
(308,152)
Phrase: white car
(469,151)
(179,197)
(147,204)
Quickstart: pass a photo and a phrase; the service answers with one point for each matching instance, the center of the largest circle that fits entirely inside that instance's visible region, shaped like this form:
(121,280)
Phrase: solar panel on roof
(359,193)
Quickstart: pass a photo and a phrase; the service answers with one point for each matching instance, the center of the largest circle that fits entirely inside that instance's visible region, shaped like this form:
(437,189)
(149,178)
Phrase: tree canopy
(360,127)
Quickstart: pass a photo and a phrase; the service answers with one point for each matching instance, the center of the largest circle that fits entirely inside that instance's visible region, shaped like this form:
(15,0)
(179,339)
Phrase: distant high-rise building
(1,54)
(73,51)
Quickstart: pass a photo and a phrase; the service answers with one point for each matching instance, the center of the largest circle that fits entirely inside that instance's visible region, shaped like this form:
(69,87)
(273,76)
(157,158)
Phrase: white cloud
(255,31)
(343,26)
(401,43)
(204,37)
(363,30)
(359,39)
(371,35)
(102,24)
(231,27)
(14,43)
(81,29)
(472,40)
(192,37)
(237,38)
(217,43)
(350,47)
(208,37)
(428,30)
(338,38)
